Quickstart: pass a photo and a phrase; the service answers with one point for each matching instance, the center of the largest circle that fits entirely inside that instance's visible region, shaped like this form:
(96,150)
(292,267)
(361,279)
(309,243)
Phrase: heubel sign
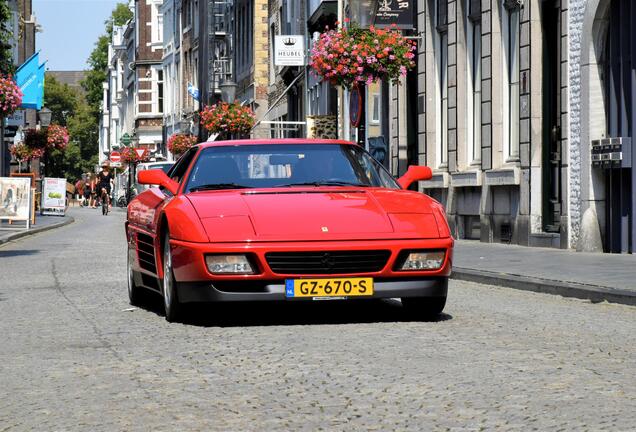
(289,51)
(398,12)
(115,156)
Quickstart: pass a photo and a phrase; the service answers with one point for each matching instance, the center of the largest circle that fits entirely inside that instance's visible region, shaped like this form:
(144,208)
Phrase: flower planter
(179,143)
(229,120)
(10,96)
(352,56)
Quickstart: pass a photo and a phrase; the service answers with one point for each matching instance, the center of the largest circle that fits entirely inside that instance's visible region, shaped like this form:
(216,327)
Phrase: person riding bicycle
(105,181)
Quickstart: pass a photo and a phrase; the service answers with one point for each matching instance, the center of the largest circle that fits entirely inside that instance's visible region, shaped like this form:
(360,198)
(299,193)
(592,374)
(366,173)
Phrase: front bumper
(191,292)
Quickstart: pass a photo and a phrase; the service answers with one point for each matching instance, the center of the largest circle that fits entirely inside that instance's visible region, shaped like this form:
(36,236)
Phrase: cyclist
(105,181)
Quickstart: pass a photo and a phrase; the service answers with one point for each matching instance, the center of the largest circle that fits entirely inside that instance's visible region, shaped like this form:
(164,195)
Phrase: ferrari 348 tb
(286,220)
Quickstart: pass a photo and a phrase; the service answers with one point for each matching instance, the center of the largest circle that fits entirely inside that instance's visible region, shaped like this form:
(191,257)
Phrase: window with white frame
(375,108)
(156,24)
(510,32)
(473,35)
(442,93)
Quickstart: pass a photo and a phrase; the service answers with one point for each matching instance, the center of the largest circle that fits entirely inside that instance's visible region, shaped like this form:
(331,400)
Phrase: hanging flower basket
(179,143)
(57,137)
(348,56)
(10,96)
(130,156)
(36,139)
(228,118)
(25,153)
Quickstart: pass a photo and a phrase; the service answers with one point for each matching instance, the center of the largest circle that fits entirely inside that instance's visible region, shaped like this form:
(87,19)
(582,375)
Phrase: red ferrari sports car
(288,220)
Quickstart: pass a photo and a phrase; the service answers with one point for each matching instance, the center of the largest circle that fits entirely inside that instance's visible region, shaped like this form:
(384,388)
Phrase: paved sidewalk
(42,223)
(593,276)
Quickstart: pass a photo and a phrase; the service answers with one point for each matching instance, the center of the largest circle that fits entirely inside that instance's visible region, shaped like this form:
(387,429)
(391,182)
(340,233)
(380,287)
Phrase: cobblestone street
(75,356)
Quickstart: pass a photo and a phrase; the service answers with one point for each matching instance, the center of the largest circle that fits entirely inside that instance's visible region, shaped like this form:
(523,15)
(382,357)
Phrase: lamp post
(228,90)
(44,117)
(363,12)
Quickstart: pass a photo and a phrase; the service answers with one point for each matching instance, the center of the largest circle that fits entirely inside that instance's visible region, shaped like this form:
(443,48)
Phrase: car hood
(314,214)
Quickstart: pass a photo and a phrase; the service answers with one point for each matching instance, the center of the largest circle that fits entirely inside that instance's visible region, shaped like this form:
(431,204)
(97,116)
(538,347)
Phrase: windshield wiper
(325,183)
(216,186)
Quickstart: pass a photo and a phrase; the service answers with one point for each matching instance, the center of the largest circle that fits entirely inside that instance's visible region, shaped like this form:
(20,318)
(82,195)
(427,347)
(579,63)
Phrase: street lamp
(45,115)
(363,12)
(228,90)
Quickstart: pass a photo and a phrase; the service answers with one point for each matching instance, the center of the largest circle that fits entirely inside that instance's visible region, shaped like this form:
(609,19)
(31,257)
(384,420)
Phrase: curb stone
(594,293)
(37,230)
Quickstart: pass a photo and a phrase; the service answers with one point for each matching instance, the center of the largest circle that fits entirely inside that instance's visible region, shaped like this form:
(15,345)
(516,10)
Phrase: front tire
(171,303)
(135,293)
(424,308)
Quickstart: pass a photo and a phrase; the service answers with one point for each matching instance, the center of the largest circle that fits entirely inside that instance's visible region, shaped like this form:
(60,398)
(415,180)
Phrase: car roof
(274,141)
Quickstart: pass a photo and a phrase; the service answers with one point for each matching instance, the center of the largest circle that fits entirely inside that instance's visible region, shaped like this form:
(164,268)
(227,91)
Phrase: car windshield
(287,165)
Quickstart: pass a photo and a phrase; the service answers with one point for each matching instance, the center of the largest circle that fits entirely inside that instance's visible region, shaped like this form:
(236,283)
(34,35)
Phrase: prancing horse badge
(325,229)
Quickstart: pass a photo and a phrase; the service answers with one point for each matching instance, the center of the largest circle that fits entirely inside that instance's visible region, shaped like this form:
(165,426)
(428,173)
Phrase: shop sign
(15,199)
(398,12)
(289,51)
(18,118)
(54,196)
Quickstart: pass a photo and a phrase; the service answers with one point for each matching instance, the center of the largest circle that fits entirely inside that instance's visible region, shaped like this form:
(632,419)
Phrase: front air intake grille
(327,262)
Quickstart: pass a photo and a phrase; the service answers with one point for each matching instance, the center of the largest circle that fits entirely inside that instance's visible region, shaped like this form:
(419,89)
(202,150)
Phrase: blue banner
(40,91)
(30,79)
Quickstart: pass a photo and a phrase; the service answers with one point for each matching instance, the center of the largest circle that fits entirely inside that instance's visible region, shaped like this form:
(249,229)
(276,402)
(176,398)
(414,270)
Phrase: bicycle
(105,201)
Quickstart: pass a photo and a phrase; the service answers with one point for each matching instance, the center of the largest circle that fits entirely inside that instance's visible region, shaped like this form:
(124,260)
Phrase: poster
(15,198)
(54,196)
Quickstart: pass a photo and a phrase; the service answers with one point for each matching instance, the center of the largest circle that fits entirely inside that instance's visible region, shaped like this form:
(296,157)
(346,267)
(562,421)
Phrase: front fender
(183,221)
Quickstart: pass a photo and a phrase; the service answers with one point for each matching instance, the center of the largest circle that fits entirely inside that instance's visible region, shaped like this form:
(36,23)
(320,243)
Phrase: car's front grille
(327,262)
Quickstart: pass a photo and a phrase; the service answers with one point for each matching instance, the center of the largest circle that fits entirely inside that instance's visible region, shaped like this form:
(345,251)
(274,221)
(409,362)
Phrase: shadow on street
(245,314)
(15,253)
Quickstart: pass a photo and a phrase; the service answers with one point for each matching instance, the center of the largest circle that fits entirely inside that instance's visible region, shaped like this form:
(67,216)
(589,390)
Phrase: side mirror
(157,177)
(415,173)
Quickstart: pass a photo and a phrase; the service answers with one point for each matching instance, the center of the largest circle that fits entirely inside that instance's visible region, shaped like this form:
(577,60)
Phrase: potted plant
(178,143)
(351,55)
(228,119)
(10,96)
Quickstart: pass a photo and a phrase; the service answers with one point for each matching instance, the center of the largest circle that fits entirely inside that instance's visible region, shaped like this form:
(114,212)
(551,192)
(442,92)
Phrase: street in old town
(76,356)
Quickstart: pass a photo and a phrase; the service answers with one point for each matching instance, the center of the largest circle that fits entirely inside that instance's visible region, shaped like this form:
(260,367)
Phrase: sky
(70,29)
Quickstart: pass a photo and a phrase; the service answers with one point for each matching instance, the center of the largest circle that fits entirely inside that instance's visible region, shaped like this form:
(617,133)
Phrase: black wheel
(169,285)
(135,293)
(425,308)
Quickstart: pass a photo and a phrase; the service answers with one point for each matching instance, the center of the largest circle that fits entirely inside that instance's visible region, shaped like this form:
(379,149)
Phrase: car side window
(179,169)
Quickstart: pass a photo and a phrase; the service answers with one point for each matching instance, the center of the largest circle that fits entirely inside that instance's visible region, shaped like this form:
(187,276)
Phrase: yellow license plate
(339,287)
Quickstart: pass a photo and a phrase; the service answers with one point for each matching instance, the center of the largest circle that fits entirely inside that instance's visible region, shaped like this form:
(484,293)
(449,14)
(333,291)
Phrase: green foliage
(120,16)
(6,32)
(61,99)
(70,109)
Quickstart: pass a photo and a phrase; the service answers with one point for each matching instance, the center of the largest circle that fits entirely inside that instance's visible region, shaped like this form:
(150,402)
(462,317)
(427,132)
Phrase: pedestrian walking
(79,191)
(93,191)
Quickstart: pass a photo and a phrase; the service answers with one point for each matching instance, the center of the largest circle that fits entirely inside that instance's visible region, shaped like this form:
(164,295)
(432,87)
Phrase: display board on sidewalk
(15,199)
(54,196)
